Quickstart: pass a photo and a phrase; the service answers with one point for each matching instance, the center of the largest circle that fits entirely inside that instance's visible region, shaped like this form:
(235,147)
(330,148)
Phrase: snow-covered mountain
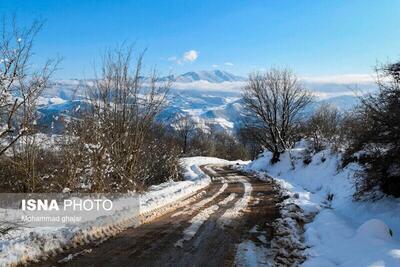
(214,76)
(211,76)
(212,106)
(221,112)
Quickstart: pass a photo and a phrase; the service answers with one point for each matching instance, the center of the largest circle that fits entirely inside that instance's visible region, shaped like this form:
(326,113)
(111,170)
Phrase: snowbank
(343,232)
(33,243)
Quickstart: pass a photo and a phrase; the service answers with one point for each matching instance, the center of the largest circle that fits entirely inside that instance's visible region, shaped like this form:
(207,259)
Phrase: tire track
(230,201)
(240,205)
(201,217)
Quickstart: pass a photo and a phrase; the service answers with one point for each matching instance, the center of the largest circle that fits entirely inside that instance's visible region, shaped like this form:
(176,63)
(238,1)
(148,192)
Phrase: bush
(323,127)
(307,156)
(216,144)
(111,145)
(160,158)
(375,134)
(30,167)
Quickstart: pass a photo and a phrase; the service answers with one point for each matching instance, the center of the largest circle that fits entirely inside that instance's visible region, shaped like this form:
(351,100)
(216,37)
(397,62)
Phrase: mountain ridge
(207,105)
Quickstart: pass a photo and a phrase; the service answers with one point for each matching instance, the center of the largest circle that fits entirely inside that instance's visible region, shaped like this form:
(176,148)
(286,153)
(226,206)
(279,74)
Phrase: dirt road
(227,226)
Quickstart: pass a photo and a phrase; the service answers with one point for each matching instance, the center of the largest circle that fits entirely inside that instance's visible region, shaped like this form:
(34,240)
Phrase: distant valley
(209,98)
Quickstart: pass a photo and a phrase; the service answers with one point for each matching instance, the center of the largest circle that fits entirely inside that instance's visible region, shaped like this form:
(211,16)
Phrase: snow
(30,243)
(201,203)
(196,222)
(228,199)
(343,232)
(249,254)
(72,256)
(213,76)
(209,104)
(239,206)
(374,228)
(50,101)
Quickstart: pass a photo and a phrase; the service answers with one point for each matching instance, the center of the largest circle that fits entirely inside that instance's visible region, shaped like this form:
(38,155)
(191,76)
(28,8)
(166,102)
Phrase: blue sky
(312,37)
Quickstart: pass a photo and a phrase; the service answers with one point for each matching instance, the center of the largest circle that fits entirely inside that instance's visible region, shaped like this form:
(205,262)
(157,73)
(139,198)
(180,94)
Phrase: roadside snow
(249,254)
(254,250)
(30,243)
(72,256)
(344,232)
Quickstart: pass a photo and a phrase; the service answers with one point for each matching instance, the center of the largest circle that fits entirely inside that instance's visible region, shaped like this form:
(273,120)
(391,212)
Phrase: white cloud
(321,86)
(190,55)
(336,85)
(341,79)
(325,95)
(319,90)
(214,65)
(187,57)
(207,86)
(230,64)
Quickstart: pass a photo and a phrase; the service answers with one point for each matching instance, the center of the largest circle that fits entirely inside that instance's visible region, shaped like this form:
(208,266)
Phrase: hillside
(217,105)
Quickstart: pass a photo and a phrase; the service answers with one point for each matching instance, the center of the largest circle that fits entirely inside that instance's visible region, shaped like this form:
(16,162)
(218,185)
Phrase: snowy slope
(344,232)
(214,76)
(209,97)
(223,111)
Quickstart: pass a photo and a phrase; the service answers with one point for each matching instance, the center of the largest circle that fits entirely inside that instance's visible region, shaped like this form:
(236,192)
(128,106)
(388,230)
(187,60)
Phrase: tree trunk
(184,145)
(275,157)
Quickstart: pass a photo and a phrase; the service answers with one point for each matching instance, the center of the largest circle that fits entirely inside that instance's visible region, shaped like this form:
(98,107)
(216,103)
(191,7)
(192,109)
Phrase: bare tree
(323,126)
(185,127)
(252,139)
(375,131)
(111,135)
(274,101)
(20,83)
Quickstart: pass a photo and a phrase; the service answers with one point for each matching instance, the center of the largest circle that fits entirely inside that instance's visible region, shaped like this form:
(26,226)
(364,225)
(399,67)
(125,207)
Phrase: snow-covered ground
(249,254)
(33,242)
(343,232)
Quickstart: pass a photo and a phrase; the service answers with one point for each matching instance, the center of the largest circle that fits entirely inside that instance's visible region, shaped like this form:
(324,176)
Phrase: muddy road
(217,229)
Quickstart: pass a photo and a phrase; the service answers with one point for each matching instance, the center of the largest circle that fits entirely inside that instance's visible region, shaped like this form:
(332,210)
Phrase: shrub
(323,127)
(375,132)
